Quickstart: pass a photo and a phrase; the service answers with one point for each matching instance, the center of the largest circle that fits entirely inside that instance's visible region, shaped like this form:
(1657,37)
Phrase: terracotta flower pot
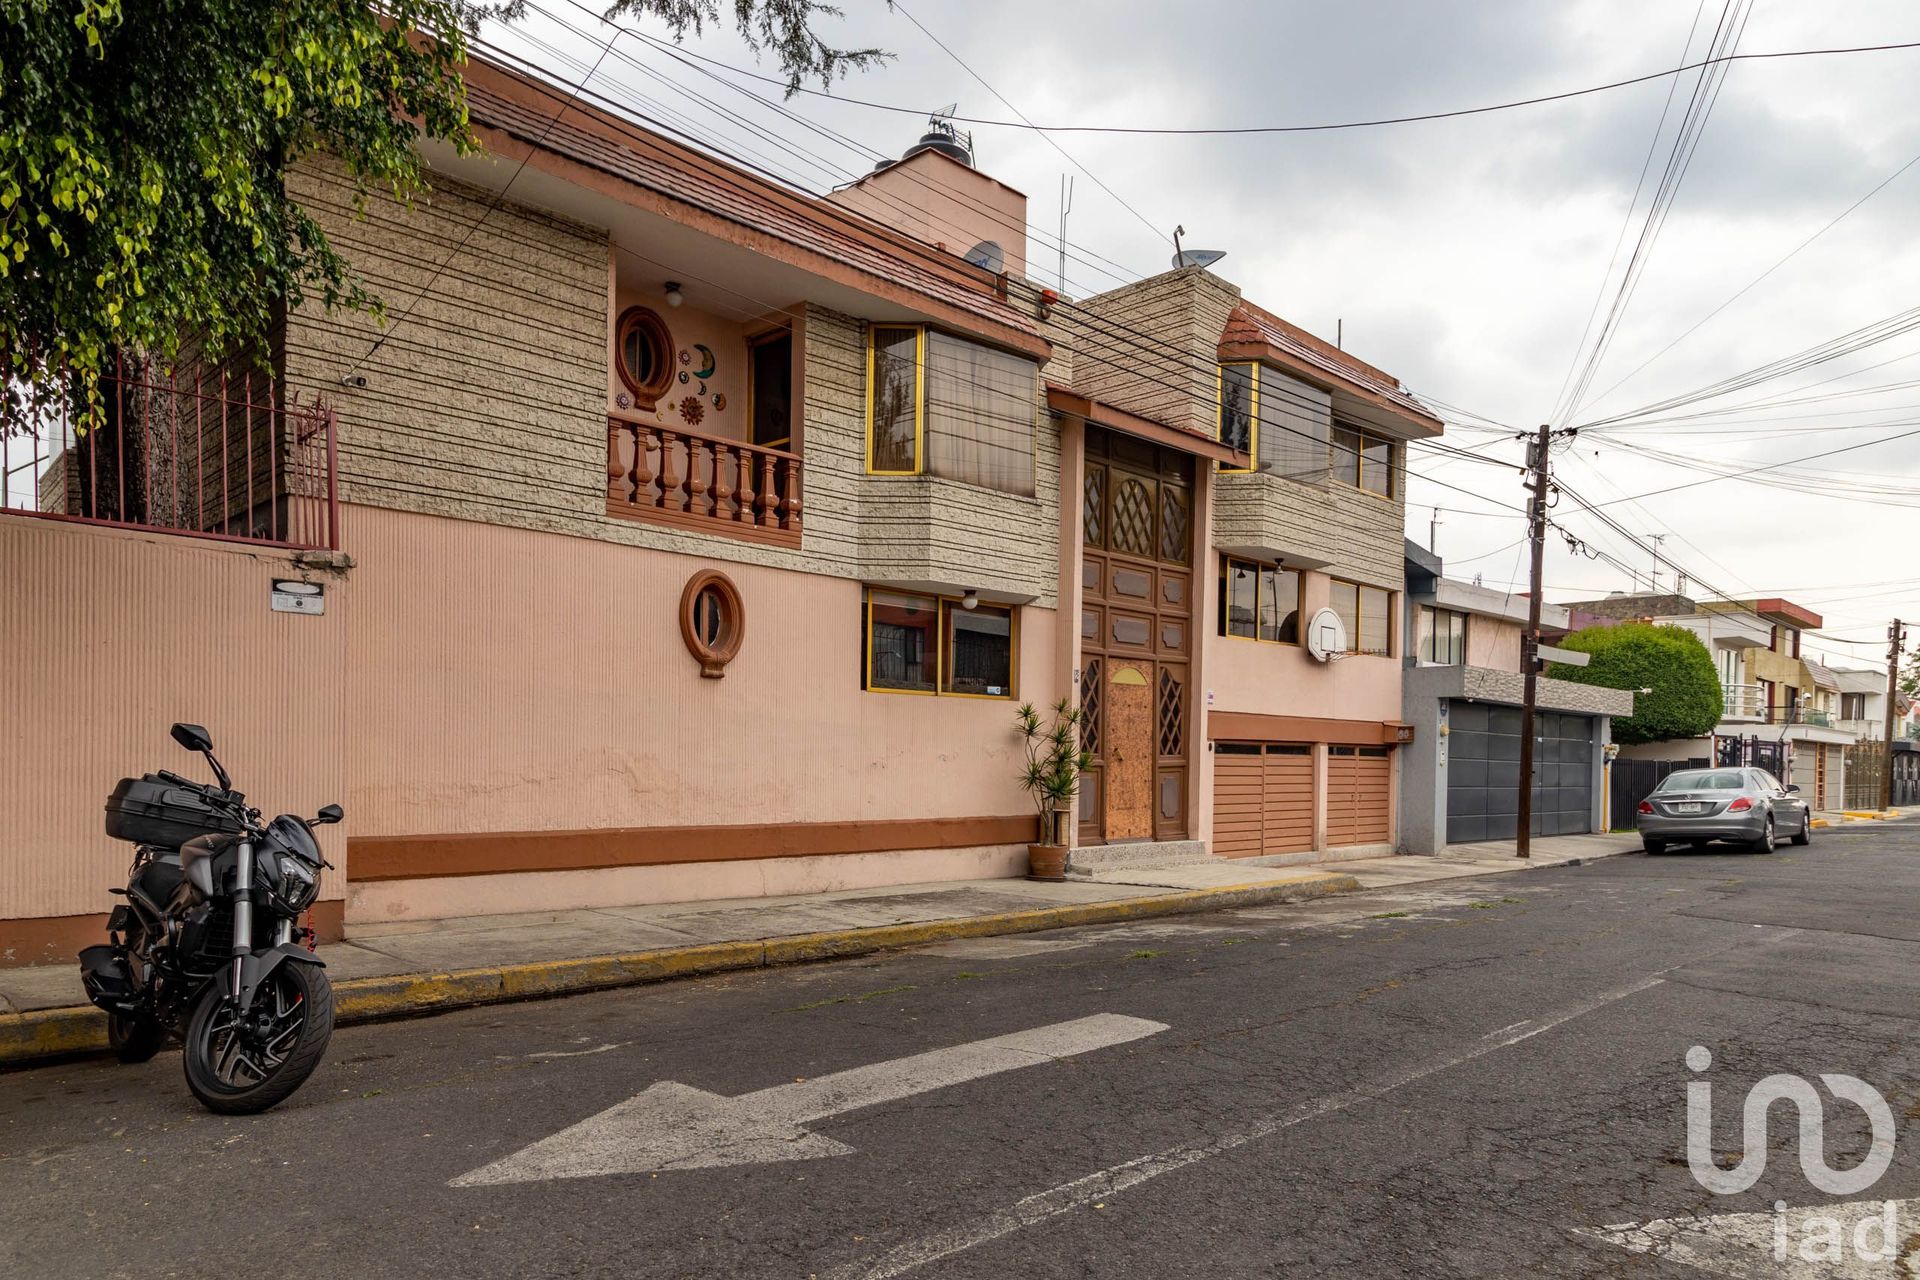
(1046,862)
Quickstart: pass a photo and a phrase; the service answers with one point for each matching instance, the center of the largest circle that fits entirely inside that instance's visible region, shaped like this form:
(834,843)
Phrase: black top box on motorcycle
(151,810)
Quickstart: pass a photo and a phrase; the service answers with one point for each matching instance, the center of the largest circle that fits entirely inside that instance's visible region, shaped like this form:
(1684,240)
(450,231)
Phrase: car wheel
(1765,844)
(1654,846)
(1805,834)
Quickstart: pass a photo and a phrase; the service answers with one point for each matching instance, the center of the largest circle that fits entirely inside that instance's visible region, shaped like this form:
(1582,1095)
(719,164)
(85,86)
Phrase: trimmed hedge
(1686,701)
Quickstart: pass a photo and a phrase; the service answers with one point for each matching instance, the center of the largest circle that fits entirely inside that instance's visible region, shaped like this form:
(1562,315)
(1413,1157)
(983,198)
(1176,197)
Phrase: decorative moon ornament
(720,400)
(706,353)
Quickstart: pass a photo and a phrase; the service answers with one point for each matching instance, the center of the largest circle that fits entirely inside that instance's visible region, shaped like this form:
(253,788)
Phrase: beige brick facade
(487,402)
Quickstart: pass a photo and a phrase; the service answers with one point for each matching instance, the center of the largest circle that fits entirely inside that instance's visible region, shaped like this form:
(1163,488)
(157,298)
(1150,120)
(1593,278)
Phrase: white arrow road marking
(674,1126)
(1067,1196)
(1849,1241)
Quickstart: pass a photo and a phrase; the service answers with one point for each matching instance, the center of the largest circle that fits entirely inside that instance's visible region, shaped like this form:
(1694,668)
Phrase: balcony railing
(1744,702)
(226,453)
(672,476)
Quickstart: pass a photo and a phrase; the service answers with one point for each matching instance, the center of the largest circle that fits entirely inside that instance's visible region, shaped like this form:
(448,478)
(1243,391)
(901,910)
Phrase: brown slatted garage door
(1359,795)
(1262,798)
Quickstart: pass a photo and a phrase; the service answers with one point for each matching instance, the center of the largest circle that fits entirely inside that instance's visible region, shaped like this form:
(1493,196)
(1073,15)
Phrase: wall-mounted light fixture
(969,599)
(674,296)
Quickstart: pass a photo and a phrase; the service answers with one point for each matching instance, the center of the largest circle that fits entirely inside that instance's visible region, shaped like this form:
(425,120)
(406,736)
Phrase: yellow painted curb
(1821,822)
(60,1033)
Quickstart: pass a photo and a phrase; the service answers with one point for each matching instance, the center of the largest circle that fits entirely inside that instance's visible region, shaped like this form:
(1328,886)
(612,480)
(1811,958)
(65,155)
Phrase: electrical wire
(1380,122)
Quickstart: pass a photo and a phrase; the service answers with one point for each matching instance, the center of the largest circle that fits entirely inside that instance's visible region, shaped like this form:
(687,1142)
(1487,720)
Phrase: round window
(643,355)
(712,621)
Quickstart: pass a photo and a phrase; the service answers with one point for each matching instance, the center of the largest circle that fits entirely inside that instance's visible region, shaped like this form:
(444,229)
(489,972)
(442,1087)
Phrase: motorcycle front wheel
(238,1069)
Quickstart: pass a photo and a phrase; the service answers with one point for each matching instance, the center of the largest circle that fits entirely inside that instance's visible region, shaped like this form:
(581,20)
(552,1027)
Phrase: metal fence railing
(225,452)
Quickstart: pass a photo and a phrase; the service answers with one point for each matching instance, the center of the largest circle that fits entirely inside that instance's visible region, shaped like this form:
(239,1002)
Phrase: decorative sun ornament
(691,411)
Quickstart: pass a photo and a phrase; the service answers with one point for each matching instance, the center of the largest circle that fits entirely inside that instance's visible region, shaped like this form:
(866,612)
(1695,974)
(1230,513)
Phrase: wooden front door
(1136,637)
(1130,753)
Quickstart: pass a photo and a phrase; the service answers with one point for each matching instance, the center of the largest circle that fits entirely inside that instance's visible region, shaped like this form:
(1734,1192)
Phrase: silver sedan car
(1746,805)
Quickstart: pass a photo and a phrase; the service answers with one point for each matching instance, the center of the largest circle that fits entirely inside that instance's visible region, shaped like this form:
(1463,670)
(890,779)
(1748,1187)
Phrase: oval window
(643,355)
(712,621)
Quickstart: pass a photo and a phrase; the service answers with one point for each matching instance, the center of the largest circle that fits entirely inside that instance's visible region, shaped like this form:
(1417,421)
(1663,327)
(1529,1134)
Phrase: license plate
(1690,808)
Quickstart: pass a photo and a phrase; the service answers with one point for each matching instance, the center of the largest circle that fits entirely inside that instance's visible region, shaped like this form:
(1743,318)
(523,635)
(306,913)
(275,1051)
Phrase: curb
(60,1033)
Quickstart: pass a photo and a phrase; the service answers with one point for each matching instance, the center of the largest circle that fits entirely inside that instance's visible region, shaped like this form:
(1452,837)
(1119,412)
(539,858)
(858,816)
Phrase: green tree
(142,147)
(1686,701)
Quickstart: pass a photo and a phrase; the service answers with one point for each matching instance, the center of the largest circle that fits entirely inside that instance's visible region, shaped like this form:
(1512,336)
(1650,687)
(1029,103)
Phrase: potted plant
(1055,762)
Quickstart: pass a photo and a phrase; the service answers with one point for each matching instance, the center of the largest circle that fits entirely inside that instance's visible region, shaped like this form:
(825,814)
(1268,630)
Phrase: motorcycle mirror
(330,813)
(193,737)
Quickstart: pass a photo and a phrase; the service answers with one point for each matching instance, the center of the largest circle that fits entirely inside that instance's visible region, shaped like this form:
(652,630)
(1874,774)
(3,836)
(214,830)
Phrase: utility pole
(1433,532)
(1896,642)
(1659,541)
(1538,456)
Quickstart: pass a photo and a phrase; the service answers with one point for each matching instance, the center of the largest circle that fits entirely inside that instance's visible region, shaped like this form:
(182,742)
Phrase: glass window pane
(1375,615)
(1236,406)
(979,650)
(894,393)
(1346,455)
(1344,600)
(901,645)
(981,408)
(1279,605)
(1238,596)
(1376,466)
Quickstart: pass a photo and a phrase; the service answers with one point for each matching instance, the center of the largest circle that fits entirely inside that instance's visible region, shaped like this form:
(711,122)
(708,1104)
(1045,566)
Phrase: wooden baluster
(696,483)
(769,496)
(616,474)
(745,491)
(791,507)
(722,492)
(642,473)
(669,482)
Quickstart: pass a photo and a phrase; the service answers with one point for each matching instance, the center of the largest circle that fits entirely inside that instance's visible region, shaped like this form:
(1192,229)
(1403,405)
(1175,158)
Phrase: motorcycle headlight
(297,885)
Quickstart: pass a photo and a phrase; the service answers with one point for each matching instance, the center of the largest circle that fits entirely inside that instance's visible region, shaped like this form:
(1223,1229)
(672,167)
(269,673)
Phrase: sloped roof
(542,117)
(1252,325)
(1822,677)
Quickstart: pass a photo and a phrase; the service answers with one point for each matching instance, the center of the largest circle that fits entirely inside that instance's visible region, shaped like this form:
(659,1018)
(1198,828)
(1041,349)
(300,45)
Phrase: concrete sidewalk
(412,967)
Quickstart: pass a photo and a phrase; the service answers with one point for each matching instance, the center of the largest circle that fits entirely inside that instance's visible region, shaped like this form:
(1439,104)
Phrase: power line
(1329,127)
(1626,220)
(906,13)
(485,213)
(1748,287)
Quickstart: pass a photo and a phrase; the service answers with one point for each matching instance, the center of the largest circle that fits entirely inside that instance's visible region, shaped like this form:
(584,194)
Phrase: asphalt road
(1446,1081)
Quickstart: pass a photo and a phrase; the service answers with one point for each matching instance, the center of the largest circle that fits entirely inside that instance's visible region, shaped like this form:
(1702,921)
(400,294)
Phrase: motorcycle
(206,946)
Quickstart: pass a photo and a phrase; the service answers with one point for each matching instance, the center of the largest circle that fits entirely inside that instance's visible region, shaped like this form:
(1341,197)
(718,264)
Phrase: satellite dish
(1326,636)
(1197,257)
(988,254)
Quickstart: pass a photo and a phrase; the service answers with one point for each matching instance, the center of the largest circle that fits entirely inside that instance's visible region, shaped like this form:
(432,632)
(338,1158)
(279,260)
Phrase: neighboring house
(1781,708)
(1863,713)
(1462,691)
(685,536)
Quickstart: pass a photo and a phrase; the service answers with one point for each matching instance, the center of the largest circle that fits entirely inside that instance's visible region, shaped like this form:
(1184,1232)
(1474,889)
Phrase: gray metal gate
(1483,773)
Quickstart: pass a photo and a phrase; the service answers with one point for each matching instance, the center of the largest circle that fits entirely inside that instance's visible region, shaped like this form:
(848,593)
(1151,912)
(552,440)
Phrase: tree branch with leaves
(143,149)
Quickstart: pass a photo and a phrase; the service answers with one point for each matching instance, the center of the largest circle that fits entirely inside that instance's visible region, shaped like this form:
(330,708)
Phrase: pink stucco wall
(942,202)
(1493,643)
(108,636)
(511,680)
(1242,675)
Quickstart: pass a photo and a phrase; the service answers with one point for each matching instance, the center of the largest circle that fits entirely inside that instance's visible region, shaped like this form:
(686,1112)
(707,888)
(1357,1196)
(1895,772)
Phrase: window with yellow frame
(930,644)
(1238,426)
(896,400)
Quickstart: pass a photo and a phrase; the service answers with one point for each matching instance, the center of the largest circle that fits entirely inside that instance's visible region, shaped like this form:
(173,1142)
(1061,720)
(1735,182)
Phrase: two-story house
(1462,695)
(680,535)
(1780,707)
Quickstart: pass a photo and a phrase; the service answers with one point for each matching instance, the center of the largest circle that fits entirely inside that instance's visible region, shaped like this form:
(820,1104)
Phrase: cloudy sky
(1464,255)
